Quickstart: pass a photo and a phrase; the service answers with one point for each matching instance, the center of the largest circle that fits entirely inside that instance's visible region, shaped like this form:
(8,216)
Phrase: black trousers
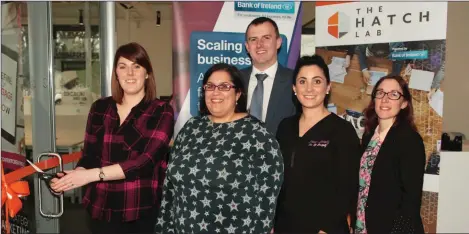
(143,225)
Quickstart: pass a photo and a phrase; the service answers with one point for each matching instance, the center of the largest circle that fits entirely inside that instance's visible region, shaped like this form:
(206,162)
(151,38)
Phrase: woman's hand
(60,175)
(74,179)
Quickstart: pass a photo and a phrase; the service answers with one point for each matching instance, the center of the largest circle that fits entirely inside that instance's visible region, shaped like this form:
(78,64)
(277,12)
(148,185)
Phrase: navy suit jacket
(281,103)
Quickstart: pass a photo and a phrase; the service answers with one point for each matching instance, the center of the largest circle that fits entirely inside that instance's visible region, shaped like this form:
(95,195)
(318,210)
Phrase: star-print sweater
(221,178)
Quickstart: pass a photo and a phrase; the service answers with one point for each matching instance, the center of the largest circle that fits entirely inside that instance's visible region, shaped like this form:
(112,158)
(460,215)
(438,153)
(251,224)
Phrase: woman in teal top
(226,170)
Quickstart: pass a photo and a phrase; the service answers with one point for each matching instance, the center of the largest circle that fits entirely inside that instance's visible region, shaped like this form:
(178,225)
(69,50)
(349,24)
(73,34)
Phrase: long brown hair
(405,115)
(137,54)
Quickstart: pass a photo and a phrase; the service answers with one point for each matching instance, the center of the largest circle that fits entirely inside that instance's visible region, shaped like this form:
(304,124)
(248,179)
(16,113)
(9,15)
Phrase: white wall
(453,202)
(456,84)
(157,40)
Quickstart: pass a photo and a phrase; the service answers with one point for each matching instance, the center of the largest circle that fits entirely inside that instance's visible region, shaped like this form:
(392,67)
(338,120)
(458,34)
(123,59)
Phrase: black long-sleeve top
(320,176)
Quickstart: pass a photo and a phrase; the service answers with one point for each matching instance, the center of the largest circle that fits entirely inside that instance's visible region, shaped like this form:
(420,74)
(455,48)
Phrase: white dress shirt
(268,84)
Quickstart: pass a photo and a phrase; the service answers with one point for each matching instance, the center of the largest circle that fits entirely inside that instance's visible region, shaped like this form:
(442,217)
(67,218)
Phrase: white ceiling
(140,10)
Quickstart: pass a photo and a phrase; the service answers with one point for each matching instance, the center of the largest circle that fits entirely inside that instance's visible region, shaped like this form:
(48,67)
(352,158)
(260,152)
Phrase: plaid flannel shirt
(140,146)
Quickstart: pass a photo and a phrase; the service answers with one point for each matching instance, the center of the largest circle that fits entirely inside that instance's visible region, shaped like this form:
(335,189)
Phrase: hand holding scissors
(74,179)
(47,177)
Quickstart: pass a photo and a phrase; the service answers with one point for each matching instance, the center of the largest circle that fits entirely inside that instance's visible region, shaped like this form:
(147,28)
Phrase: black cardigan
(395,194)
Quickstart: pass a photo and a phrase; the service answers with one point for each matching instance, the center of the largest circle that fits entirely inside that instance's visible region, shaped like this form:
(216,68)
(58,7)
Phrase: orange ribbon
(43,165)
(11,194)
(13,188)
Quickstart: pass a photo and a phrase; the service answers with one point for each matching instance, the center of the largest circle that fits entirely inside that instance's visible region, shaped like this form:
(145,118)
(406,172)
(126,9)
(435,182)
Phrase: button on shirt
(268,84)
(140,146)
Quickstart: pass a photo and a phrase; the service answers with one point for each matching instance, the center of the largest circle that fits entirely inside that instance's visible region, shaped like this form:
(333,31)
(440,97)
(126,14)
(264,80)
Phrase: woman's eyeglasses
(221,87)
(393,95)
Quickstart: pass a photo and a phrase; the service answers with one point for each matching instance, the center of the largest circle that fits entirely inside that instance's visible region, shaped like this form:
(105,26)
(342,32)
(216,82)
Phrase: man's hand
(347,61)
(366,76)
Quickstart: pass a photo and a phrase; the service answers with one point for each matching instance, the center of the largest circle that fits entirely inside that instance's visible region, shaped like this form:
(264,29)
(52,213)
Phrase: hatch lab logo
(338,25)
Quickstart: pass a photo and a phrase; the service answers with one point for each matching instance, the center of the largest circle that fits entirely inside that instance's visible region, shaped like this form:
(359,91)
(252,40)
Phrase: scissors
(47,177)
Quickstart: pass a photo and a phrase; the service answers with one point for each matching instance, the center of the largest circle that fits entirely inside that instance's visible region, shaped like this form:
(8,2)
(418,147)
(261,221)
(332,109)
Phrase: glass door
(59,104)
(50,78)
(77,72)
(51,74)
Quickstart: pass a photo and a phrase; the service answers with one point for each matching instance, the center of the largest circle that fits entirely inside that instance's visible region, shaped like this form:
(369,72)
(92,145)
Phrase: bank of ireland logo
(338,24)
(287,6)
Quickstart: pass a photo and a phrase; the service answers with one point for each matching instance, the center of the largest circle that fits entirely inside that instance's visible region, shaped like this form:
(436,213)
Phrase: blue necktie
(258,96)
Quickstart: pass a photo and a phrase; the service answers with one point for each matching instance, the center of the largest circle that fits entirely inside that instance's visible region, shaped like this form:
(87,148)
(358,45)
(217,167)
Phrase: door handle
(60,197)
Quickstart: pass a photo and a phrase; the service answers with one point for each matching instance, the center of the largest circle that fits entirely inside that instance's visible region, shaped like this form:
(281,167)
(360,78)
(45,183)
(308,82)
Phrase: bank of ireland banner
(207,33)
(364,41)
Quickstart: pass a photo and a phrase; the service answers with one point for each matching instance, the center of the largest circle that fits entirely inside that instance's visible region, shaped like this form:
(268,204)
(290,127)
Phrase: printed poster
(206,33)
(382,38)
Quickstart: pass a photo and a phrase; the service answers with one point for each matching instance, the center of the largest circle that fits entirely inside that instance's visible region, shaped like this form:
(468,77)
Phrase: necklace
(213,125)
(385,131)
(216,126)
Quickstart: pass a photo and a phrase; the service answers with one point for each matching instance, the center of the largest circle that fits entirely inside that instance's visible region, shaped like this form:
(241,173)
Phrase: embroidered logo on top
(322,144)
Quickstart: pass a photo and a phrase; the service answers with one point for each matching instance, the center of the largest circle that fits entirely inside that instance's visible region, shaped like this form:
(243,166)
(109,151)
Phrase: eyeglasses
(221,87)
(393,95)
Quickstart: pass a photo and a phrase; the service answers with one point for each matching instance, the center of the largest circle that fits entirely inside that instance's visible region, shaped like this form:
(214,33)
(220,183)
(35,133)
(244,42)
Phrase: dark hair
(261,20)
(315,60)
(235,77)
(405,115)
(137,54)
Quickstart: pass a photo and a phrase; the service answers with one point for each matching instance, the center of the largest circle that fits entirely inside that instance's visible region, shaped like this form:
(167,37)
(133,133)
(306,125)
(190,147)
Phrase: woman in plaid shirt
(126,143)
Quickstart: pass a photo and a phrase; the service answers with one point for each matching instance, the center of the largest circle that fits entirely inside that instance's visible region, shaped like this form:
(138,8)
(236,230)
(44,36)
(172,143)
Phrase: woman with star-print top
(226,169)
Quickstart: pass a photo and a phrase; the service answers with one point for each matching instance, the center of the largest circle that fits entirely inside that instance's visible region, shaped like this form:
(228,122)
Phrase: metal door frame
(41,61)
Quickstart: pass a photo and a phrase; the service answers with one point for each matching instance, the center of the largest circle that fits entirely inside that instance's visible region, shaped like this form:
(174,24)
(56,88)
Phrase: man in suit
(268,84)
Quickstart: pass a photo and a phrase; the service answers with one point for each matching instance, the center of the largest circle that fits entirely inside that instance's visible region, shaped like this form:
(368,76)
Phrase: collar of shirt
(268,84)
(141,106)
(269,71)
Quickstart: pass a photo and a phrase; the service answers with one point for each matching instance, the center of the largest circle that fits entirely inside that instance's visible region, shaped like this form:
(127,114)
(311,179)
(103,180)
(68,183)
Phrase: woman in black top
(321,153)
(392,165)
